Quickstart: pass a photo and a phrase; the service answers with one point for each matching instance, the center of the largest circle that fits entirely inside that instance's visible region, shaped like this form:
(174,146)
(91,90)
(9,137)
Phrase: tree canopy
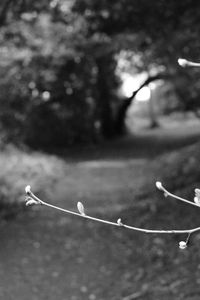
(59,80)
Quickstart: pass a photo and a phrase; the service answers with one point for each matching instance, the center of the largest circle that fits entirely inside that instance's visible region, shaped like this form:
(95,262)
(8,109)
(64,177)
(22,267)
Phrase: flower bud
(159,185)
(31,202)
(197,193)
(182,245)
(197,200)
(28,189)
(182,62)
(119,222)
(81,208)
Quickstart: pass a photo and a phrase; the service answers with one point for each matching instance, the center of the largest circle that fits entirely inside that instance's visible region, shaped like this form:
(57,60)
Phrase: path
(46,255)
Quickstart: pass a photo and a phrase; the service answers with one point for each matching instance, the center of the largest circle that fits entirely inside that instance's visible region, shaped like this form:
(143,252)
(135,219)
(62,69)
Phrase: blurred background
(95,108)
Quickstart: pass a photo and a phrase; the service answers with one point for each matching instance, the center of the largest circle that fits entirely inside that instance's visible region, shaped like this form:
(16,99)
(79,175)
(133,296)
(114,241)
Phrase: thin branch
(32,199)
(167,193)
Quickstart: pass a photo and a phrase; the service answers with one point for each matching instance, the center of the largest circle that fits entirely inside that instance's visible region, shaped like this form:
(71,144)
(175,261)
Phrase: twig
(167,193)
(33,200)
(187,63)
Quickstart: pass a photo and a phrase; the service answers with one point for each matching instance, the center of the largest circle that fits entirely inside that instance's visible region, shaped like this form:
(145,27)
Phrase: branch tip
(183,62)
(159,185)
(28,189)
(187,63)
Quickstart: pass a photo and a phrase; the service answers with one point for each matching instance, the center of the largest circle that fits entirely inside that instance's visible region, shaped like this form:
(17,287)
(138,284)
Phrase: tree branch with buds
(32,199)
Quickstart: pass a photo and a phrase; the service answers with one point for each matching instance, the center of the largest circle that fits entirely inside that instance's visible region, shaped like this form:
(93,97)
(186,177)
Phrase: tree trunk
(121,115)
(152,114)
(4,11)
(105,97)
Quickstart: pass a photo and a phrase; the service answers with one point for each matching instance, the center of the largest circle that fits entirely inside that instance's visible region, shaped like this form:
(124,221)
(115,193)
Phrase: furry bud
(119,222)
(28,189)
(81,208)
(182,245)
(182,62)
(159,185)
(197,200)
(31,202)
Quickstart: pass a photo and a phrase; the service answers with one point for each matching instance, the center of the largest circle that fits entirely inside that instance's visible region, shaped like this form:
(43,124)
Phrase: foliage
(59,59)
(18,167)
(155,33)
(60,94)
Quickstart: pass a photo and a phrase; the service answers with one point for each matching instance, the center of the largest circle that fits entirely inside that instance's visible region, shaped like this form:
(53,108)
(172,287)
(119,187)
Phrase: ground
(48,255)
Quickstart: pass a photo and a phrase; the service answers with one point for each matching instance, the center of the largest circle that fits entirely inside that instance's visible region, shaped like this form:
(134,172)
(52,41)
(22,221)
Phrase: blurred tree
(157,31)
(59,59)
(63,75)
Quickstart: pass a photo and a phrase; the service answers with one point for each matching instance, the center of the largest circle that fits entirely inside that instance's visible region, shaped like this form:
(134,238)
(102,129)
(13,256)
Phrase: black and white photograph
(99,150)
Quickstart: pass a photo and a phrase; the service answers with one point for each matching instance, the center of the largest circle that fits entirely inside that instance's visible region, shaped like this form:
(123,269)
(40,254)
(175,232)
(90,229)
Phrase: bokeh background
(95,108)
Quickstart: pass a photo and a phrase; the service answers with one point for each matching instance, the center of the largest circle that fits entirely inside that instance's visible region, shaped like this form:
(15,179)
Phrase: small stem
(188,237)
(193,64)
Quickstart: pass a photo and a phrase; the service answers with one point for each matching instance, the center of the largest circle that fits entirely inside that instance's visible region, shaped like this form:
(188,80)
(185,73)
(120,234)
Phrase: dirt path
(46,255)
